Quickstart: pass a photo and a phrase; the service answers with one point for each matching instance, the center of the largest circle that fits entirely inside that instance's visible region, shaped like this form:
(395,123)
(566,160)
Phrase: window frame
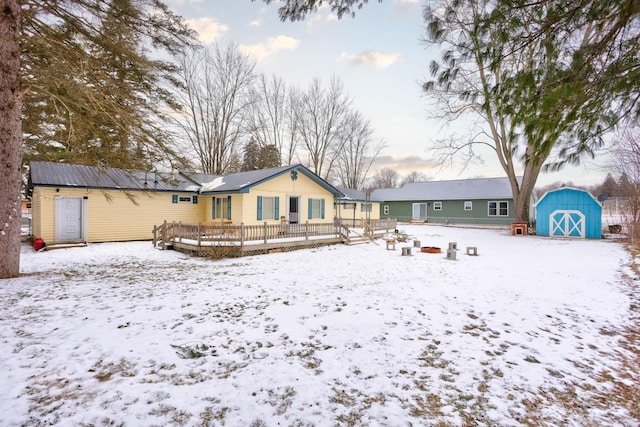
(385,210)
(315,208)
(468,205)
(270,214)
(224,202)
(500,206)
(437,206)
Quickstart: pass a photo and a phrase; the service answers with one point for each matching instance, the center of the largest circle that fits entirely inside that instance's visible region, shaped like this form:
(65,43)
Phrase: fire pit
(430,249)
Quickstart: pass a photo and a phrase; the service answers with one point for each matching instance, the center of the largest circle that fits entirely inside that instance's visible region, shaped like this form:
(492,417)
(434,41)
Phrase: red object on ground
(38,244)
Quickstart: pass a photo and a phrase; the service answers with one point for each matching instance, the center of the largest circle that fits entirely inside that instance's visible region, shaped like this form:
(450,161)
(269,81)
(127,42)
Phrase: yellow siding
(236,207)
(359,214)
(112,215)
(283,187)
(38,221)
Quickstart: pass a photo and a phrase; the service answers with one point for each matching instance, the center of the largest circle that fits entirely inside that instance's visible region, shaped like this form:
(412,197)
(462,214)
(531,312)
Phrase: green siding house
(466,201)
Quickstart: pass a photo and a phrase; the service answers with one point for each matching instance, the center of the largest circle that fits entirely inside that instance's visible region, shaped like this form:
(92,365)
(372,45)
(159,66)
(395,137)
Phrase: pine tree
(268,157)
(102,100)
(251,156)
(71,110)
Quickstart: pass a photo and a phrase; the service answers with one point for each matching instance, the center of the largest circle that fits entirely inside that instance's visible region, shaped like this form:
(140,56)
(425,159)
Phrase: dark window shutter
(259,208)
(174,198)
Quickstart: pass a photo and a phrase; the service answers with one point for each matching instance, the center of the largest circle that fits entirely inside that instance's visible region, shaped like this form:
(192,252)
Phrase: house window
(268,207)
(365,207)
(316,209)
(437,206)
(468,205)
(221,208)
(499,208)
(184,199)
(348,206)
(385,209)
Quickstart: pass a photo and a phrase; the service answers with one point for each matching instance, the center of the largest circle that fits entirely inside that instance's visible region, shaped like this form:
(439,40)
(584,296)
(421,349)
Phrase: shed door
(567,223)
(68,219)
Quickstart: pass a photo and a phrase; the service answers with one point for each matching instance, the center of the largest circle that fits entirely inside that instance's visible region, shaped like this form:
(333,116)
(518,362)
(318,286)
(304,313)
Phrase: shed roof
(571,190)
(479,188)
(65,175)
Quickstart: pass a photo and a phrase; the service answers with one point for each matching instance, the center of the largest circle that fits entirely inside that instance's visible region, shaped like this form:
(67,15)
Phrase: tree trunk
(522,194)
(10,139)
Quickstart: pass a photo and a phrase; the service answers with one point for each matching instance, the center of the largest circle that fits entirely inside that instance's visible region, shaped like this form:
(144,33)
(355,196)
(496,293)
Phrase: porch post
(265,232)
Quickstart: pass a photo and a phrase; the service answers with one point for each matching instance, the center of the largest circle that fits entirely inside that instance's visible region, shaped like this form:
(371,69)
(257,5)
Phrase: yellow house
(73,203)
(356,207)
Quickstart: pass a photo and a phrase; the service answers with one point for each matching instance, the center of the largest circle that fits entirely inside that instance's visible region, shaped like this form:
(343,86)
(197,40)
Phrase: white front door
(419,212)
(294,209)
(567,223)
(68,219)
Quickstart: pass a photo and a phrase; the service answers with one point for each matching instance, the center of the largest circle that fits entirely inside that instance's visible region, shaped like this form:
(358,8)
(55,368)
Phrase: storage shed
(569,212)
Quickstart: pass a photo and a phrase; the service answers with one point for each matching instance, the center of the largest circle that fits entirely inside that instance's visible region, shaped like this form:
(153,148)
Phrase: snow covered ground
(530,332)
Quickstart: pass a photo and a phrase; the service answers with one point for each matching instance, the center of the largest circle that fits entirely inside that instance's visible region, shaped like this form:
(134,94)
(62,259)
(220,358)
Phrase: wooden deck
(222,240)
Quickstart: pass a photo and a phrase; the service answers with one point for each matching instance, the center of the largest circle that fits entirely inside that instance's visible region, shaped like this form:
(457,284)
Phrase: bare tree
(626,163)
(384,178)
(359,151)
(267,122)
(414,176)
(321,112)
(216,101)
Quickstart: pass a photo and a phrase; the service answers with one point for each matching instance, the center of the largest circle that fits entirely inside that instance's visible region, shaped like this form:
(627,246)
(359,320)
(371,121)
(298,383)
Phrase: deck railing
(225,234)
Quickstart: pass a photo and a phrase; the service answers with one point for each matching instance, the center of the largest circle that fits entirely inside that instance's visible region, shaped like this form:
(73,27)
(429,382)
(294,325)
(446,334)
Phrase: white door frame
(413,211)
(293,219)
(68,225)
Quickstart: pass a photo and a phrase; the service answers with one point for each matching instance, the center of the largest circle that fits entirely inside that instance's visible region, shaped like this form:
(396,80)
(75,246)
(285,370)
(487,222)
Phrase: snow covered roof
(480,188)
(353,195)
(64,175)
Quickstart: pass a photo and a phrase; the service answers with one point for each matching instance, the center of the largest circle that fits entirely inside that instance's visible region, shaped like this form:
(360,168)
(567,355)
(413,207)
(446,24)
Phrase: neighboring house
(569,212)
(468,201)
(72,203)
(354,205)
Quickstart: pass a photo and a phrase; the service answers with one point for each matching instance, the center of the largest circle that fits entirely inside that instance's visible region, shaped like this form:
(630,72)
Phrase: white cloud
(256,23)
(208,29)
(269,47)
(377,59)
(322,16)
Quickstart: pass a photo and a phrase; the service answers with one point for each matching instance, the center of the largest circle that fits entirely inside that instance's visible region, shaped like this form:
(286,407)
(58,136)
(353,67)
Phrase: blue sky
(379,58)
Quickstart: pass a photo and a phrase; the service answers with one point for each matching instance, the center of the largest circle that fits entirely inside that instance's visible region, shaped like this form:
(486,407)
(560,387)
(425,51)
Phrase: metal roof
(479,188)
(64,175)
(243,181)
(355,195)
